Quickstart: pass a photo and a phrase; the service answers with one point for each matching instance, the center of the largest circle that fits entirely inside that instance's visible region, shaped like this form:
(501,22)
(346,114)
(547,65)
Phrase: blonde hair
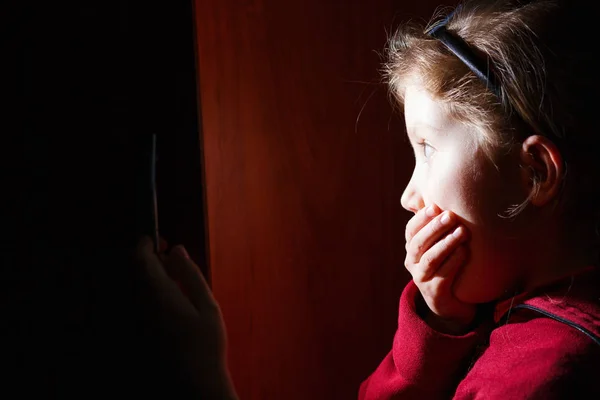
(542,54)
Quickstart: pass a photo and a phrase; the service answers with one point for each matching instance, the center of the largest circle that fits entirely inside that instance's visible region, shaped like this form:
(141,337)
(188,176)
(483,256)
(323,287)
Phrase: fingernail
(458,232)
(430,211)
(180,251)
(162,245)
(445,218)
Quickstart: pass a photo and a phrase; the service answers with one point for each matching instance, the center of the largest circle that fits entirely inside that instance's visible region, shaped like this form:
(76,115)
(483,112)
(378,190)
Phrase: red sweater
(523,354)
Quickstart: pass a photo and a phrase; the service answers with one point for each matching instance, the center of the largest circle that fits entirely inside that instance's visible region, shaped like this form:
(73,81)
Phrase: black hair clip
(481,68)
(465,53)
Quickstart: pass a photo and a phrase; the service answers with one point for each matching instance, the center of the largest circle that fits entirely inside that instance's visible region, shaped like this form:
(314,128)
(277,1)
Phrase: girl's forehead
(420,106)
(423,111)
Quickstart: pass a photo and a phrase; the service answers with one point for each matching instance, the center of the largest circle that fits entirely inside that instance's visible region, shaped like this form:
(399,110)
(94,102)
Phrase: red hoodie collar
(504,306)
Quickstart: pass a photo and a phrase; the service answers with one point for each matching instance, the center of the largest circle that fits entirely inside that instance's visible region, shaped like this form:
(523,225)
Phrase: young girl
(505,296)
(503,247)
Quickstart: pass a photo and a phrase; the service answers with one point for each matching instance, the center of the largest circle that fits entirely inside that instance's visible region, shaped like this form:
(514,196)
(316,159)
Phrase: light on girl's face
(453,172)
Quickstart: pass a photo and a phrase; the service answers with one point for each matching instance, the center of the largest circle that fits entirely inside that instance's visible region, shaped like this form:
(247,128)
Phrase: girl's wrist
(456,326)
(450,326)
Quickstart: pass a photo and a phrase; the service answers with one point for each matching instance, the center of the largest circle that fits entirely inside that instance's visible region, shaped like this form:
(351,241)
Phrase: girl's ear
(543,169)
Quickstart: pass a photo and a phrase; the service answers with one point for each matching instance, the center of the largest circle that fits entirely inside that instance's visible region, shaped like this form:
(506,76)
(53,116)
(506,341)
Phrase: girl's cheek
(438,191)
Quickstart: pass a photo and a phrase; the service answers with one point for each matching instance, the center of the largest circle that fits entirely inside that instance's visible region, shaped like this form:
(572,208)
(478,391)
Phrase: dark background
(88,82)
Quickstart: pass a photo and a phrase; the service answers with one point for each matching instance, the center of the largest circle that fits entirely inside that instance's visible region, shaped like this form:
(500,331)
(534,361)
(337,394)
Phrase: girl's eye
(427,149)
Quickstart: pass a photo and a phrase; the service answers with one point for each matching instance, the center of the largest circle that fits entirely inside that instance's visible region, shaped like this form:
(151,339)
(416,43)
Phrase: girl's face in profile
(453,172)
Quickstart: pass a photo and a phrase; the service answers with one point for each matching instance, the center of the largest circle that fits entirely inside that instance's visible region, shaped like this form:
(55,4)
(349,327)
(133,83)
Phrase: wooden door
(304,165)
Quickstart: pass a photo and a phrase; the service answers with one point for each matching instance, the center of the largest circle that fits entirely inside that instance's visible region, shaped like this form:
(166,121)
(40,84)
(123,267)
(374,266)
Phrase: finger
(188,274)
(163,245)
(431,233)
(437,256)
(420,219)
(438,289)
(149,260)
(162,287)
(443,280)
(453,263)
(153,266)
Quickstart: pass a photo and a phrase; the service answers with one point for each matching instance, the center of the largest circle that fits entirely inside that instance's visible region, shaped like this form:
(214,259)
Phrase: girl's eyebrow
(417,129)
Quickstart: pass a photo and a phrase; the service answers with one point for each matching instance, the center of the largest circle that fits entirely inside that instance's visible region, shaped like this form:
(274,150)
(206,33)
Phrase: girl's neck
(562,253)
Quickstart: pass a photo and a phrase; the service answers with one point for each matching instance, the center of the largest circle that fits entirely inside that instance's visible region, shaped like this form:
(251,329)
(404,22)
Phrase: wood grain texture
(304,165)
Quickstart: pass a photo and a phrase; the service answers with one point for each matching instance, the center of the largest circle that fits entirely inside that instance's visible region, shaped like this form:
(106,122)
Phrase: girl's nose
(411,200)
